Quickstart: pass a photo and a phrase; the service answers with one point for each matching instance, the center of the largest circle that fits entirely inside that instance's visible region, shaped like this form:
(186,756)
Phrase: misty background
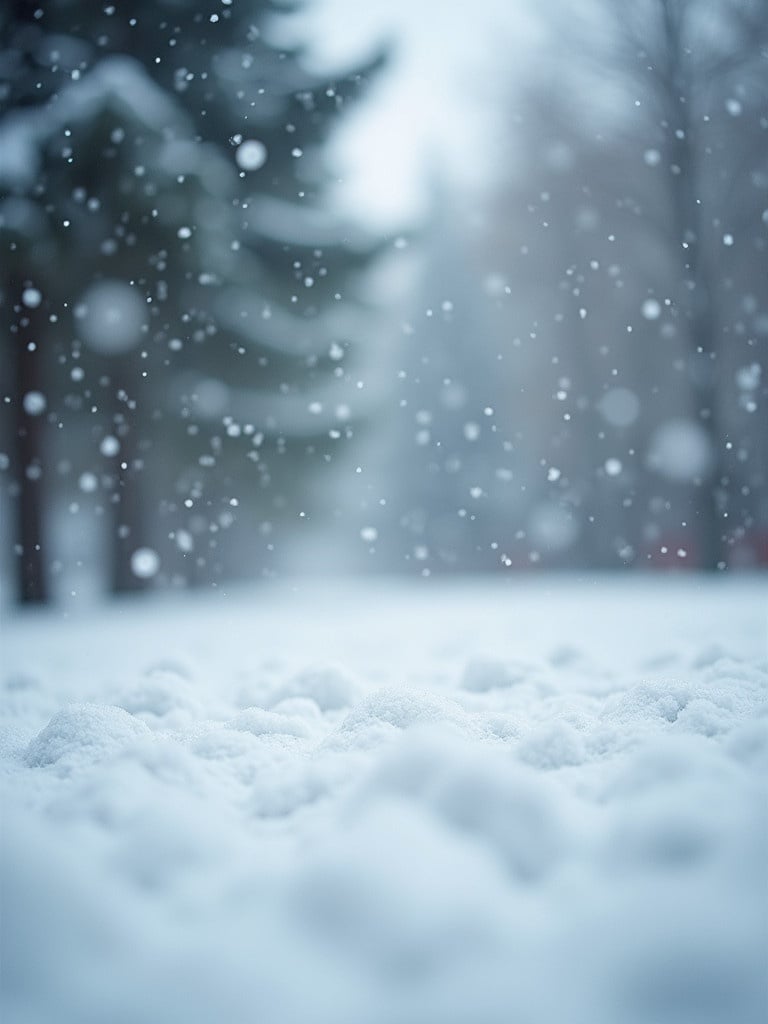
(410,290)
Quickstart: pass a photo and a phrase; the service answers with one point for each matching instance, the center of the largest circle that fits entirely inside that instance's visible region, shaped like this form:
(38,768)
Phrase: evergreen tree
(170,282)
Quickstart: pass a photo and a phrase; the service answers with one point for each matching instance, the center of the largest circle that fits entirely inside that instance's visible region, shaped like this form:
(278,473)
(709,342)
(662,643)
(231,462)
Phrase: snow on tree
(171,283)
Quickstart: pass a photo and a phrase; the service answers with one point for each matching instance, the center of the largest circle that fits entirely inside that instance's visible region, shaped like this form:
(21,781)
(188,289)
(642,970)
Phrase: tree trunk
(28,430)
(697,302)
(128,523)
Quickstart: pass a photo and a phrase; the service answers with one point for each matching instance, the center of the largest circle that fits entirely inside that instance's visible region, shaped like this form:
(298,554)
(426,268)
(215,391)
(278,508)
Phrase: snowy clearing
(536,802)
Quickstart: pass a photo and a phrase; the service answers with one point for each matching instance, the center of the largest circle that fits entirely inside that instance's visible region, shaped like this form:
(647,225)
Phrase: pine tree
(161,188)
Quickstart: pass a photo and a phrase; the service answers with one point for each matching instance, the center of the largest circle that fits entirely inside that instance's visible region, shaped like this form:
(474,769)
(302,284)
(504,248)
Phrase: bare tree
(635,248)
(699,64)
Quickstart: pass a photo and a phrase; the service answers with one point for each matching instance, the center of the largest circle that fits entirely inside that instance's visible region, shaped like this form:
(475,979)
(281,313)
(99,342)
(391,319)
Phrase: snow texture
(542,802)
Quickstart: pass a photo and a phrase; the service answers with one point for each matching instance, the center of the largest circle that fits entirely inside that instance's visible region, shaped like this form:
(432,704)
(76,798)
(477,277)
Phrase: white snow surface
(535,803)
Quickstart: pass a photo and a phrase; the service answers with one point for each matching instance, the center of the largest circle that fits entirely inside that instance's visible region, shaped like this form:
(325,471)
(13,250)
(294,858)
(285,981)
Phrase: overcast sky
(437,108)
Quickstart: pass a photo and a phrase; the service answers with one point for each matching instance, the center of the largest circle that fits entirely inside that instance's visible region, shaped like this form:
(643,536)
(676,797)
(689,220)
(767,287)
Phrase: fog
(399,291)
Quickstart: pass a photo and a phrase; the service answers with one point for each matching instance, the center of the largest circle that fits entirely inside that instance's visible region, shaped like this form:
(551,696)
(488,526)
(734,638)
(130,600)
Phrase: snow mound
(399,709)
(89,731)
(329,687)
(259,722)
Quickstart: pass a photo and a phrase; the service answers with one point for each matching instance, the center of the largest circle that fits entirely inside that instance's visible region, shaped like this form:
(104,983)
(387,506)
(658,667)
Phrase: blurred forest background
(531,333)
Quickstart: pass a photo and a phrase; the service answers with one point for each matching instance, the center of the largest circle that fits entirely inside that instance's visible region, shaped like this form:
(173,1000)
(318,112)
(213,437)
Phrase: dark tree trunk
(128,523)
(698,307)
(28,448)
(127,536)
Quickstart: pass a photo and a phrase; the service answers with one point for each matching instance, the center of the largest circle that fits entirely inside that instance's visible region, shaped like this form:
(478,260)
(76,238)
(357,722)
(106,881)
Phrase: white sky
(435,109)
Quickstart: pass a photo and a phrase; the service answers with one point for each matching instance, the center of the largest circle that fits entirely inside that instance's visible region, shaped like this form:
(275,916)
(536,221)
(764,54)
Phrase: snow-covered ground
(535,803)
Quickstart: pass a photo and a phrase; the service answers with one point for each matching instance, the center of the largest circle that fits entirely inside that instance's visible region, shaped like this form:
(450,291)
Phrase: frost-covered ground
(539,803)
